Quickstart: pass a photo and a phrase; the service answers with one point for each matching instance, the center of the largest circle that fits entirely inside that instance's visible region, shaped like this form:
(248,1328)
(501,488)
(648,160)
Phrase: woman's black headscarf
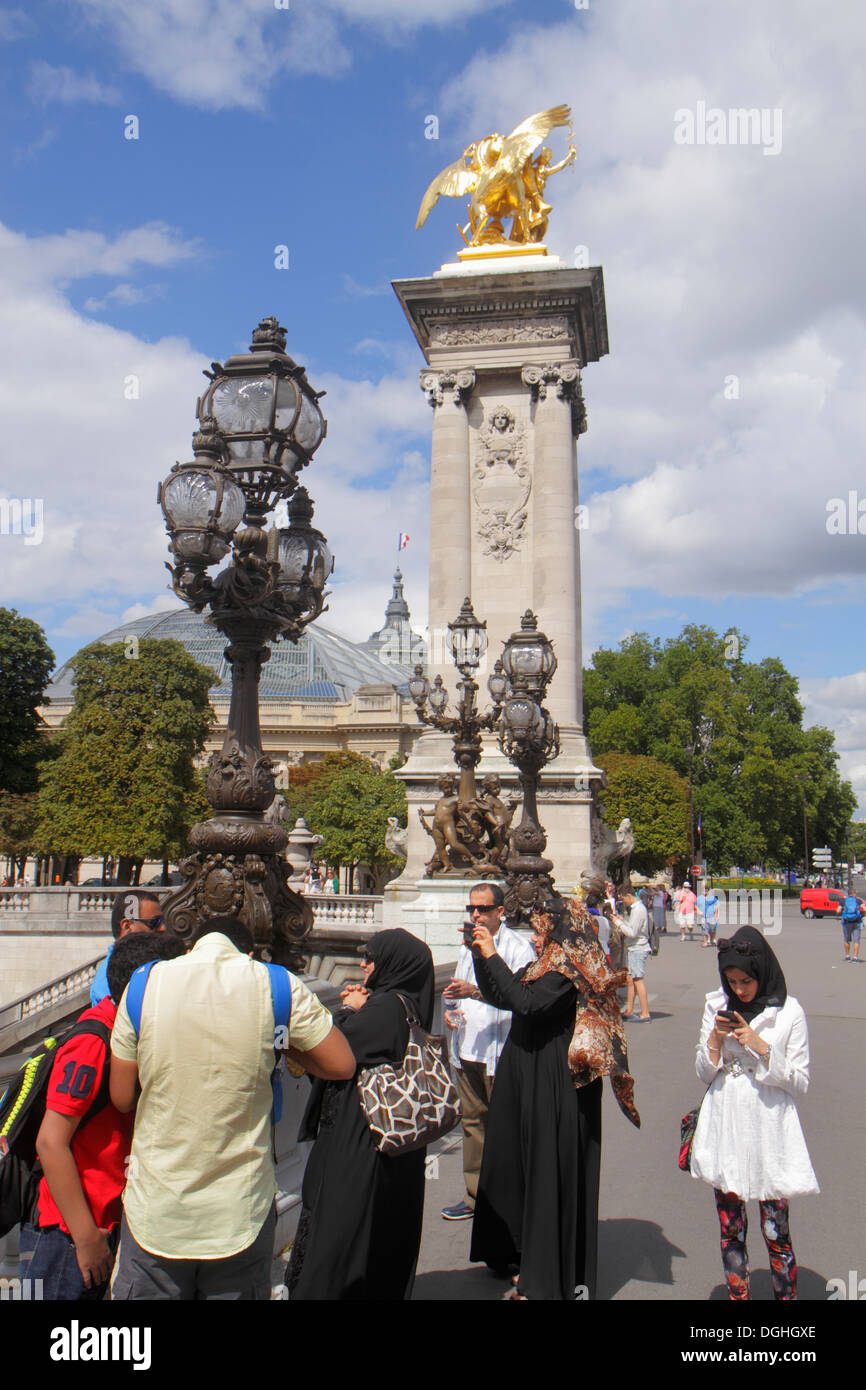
(747,950)
(403,963)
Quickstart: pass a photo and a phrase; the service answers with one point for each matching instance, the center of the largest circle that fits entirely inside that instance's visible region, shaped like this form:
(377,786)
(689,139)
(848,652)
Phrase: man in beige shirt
(199,1200)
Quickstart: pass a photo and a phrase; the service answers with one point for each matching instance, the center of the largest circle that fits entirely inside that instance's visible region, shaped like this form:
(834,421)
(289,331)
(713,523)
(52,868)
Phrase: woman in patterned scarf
(537,1204)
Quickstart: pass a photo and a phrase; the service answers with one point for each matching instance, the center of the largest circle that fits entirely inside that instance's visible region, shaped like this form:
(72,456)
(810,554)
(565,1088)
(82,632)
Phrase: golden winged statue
(505,176)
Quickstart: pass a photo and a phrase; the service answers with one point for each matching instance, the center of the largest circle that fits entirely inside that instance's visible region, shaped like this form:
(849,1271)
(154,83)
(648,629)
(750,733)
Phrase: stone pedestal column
(450,533)
(505,346)
(556,568)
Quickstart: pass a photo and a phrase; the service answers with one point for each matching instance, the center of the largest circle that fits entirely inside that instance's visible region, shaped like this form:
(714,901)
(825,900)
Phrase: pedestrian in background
(688,902)
(753,1054)
(477,1034)
(658,908)
(635,929)
(852,915)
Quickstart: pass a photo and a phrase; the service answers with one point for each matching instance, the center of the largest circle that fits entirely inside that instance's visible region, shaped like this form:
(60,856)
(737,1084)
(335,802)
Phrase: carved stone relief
(501,483)
(501,331)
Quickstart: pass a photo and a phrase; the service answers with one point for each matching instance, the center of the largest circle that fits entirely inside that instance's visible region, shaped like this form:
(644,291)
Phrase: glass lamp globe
(467,638)
(528,657)
(202,504)
(438,696)
(522,715)
(497,684)
(419,686)
(269,416)
(305,560)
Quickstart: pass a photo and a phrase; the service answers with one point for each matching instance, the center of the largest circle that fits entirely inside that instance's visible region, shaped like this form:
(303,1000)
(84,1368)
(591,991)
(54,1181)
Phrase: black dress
(537,1203)
(360,1228)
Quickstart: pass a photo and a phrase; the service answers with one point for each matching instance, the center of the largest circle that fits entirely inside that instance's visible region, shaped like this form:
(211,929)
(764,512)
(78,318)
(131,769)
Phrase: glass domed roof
(321,666)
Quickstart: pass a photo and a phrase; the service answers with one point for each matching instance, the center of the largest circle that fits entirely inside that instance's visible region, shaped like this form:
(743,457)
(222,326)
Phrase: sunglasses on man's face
(480,907)
(152,923)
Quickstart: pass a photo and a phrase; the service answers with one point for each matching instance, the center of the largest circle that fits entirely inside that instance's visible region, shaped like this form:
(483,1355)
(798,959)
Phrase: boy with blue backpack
(76,1167)
(852,916)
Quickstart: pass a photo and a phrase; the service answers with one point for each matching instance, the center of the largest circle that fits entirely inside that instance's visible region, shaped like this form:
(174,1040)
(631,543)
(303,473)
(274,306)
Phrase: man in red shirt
(70,1247)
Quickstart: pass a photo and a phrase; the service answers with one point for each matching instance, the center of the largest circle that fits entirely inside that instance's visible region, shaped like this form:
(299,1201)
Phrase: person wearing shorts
(635,929)
(851,940)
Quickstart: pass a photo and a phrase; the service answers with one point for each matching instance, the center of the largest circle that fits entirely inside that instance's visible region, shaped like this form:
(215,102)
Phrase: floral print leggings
(774,1228)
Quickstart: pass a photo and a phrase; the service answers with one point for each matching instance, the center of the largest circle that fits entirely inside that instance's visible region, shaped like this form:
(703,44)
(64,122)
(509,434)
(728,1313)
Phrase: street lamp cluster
(527,736)
(259,425)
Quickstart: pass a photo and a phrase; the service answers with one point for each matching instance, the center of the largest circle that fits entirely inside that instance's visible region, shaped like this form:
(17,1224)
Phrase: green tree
(734,727)
(347,800)
(656,800)
(26,662)
(124,782)
(857,840)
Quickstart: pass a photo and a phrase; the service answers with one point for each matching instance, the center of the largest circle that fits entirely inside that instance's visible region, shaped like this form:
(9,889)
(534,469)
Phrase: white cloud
(49,83)
(228,53)
(160,603)
(14,24)
(718,262)
(94,457)
(839,703)
(126,296)
(57,259)
(222,54)
(358,291)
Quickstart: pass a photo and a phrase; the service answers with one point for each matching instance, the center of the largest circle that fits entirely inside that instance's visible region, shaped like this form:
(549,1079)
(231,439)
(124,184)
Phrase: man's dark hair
(239,935)
(127,904)
(496,892)
(137,949)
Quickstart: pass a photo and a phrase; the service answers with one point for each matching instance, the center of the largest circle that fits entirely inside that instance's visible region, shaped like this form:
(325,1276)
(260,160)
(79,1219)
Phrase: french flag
(403,541)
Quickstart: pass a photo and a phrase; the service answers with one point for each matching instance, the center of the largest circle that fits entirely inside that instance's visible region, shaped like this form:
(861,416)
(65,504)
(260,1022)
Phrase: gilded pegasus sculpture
(505,177)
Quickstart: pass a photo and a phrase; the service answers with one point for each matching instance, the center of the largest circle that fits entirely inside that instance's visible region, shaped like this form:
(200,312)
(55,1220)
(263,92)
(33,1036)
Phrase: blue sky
(305,126)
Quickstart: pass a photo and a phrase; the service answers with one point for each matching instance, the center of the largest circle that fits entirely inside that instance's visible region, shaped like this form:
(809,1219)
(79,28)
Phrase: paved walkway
(658,1228)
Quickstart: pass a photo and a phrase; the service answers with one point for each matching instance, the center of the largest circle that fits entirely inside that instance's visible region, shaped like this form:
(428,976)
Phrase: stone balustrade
(52,933)
(337,909)
(49,994)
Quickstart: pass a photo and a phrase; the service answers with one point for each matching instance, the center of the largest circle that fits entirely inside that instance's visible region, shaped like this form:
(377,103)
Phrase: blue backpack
(851,910)
(281,1000)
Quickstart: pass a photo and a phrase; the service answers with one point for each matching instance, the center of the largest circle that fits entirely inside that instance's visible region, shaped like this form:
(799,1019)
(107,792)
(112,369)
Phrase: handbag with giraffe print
(415,1102)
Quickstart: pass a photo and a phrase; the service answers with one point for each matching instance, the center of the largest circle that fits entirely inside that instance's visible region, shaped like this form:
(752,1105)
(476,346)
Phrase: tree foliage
(26,661)
(656,799)
(347,800)
(124,782)
(753,765)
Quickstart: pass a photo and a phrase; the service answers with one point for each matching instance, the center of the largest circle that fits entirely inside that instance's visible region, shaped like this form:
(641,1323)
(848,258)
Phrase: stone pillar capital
(565,376)
(455,386)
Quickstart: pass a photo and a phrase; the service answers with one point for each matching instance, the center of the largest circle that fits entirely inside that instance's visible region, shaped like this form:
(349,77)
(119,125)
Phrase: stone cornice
(490,306)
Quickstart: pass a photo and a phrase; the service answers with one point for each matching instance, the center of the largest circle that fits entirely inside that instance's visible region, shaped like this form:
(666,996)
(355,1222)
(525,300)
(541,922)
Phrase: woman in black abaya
(537,1203)
(360,1226)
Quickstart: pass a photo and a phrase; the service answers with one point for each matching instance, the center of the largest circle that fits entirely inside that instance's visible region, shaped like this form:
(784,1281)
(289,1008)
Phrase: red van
(823,902)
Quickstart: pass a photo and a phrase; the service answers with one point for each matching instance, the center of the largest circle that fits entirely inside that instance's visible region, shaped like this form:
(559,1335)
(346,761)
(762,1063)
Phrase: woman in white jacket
(754,1056)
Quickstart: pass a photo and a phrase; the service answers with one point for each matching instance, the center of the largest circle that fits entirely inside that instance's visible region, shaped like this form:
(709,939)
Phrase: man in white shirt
(478,1034)
(635,928)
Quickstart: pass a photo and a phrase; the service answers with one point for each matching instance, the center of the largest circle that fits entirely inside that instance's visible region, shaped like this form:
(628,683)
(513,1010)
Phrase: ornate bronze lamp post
(470,831)
(260,424)
(529,739)
(461,831)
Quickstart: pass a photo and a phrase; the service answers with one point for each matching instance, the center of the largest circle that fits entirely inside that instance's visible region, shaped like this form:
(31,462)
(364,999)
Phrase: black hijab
(378,1032)
(747,950)
(404,964)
